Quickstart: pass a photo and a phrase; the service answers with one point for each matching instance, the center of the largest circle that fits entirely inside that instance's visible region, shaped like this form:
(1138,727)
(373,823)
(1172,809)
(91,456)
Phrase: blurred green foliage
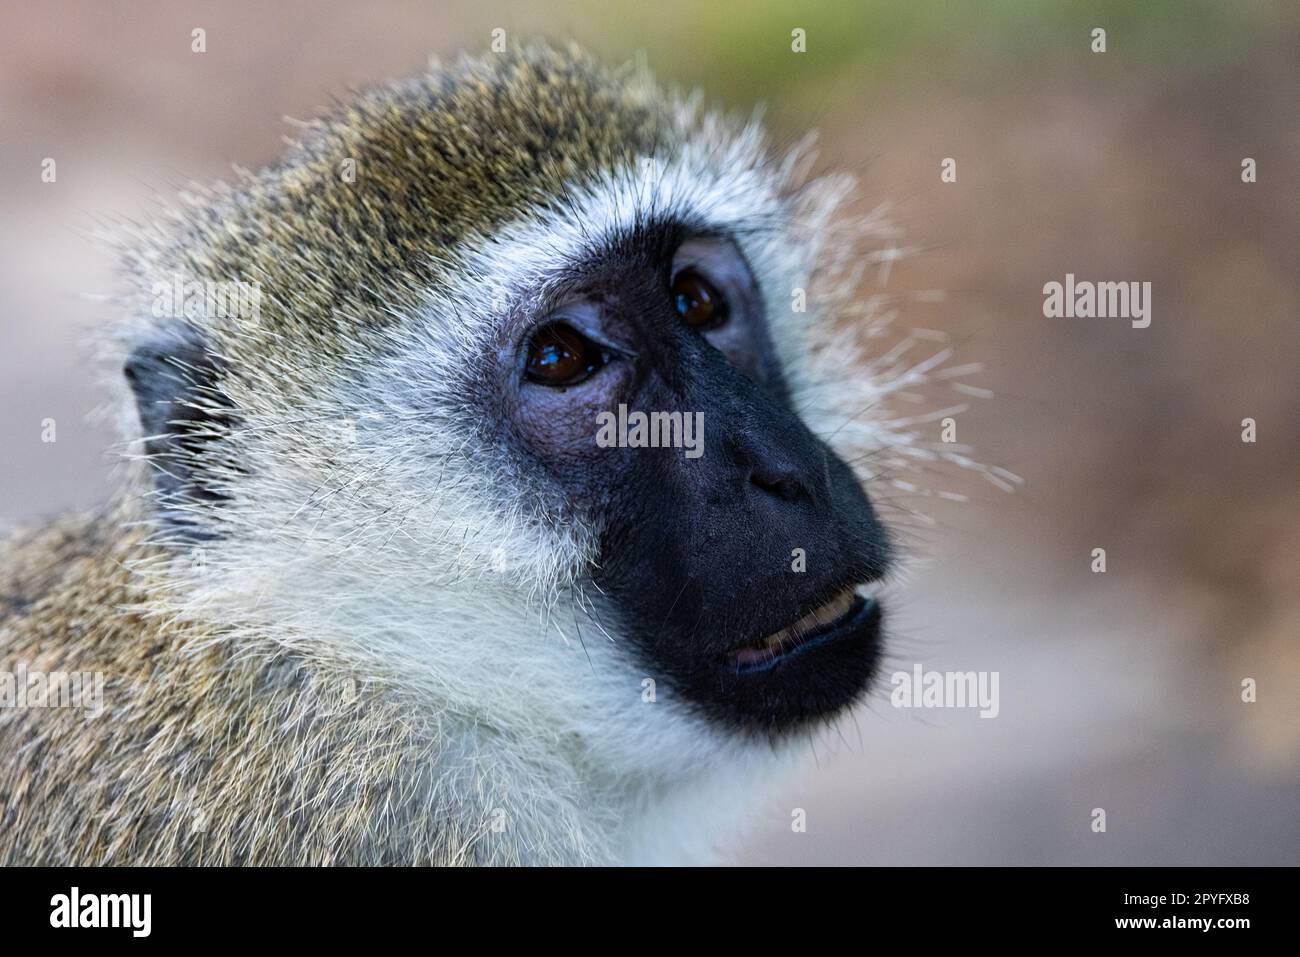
(742,47)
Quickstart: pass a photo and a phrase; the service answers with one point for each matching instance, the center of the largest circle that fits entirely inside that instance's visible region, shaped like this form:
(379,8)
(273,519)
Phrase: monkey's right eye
(560,355)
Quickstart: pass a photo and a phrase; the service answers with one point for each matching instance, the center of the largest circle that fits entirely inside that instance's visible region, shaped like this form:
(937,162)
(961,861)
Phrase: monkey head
(393,451)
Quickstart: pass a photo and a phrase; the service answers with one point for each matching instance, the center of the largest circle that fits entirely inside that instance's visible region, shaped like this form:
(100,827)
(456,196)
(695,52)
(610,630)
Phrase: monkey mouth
(848,613)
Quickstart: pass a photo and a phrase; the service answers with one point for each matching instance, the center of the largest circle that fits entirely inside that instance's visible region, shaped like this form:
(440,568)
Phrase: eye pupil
(553,354)
(699,304)
(560,355)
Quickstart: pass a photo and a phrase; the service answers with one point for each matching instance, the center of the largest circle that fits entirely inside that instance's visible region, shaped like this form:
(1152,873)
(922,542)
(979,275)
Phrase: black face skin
(696,553)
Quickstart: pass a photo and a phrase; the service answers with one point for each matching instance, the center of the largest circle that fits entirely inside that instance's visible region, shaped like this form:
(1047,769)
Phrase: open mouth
(845,614)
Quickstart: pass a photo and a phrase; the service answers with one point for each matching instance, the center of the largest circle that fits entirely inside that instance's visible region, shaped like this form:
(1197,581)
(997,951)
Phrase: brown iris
(561,355)
(699,304)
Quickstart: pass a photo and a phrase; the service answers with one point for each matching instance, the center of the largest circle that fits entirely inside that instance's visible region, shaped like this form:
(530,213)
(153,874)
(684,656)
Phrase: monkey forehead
(507,276)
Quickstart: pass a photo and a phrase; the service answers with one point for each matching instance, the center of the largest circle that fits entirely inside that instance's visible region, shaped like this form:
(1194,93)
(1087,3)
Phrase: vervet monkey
(373,593)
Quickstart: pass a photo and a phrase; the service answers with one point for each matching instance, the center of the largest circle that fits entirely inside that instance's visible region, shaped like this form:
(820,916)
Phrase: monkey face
(569,348)
(734,545)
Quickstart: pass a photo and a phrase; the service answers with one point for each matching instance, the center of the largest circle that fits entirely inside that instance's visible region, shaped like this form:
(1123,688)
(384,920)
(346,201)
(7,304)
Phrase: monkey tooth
(819,620)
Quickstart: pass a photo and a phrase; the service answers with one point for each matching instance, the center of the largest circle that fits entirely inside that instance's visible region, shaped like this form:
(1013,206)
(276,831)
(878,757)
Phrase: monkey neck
(247,745)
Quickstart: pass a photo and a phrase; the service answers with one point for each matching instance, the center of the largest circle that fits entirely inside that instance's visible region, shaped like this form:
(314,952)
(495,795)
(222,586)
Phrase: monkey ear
(184,415)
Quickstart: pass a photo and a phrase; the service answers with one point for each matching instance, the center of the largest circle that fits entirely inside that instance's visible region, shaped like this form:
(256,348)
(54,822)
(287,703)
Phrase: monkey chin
(806,673)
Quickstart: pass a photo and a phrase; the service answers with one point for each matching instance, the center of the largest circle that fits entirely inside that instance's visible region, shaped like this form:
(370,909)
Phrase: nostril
(782,483)
(784,466)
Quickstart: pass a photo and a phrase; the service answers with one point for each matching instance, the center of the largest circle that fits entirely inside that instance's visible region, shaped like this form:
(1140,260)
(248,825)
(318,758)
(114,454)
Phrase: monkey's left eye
(560,355)
(697,301)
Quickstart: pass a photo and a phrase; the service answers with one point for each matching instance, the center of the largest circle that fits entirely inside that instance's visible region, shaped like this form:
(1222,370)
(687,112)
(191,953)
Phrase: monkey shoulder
(188,743)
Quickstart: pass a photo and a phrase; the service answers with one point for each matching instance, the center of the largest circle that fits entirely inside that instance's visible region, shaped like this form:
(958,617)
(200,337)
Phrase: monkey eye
(560,355)
(697,301)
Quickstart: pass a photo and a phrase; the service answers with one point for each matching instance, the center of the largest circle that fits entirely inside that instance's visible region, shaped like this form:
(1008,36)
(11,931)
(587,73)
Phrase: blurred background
(1120,690)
